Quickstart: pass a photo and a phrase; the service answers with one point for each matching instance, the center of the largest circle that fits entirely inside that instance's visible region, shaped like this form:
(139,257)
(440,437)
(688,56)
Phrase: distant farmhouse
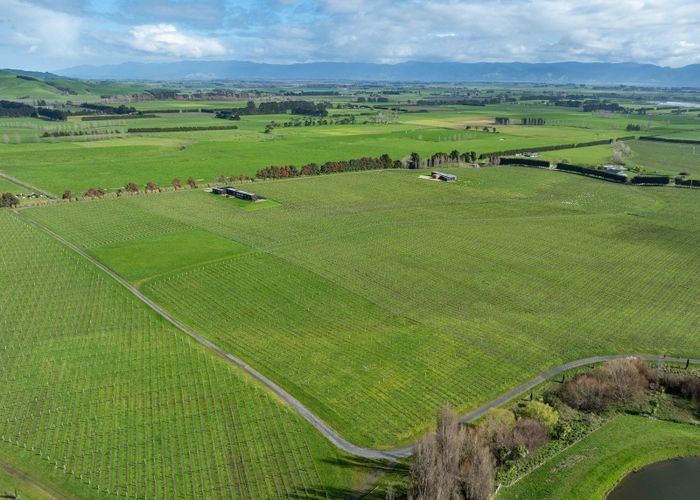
(236,193)
(442,176)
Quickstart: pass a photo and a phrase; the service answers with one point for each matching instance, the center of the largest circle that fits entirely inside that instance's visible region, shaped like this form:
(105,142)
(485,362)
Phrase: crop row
(99,388)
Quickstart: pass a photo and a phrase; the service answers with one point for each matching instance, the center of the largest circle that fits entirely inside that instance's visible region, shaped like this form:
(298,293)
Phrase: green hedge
(182,129)
(528,162)
(592,172)
(657,180)
(672,141)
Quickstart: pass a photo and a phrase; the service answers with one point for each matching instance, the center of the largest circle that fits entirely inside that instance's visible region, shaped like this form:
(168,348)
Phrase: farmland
(444,292)
(371,297)
(104,155)
(106,398)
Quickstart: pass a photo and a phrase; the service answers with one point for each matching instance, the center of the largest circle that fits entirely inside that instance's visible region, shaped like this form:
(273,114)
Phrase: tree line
(181,129)
(11,109)
(366,163)
(298,107)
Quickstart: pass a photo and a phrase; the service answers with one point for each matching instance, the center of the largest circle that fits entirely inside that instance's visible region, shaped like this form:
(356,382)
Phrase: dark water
(669,480)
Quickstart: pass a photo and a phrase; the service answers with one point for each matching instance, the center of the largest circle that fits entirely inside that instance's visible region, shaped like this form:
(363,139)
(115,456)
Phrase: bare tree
(452,463)
(435,469)
(478,468)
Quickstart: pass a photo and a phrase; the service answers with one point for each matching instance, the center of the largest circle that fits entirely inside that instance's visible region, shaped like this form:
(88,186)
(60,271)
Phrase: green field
(593,466)
(109,158)
(651,156)
(100,392)
(372,297)
(375,297)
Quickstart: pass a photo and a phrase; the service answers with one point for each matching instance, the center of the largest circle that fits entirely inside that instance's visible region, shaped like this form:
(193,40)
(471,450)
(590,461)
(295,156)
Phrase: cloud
(165,39)
(33,30)
(62,31)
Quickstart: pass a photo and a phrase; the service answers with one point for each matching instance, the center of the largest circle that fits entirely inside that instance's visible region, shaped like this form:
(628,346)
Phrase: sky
(55,34)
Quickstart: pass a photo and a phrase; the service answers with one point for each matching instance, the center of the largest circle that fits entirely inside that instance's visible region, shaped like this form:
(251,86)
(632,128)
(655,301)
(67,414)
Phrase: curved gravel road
(323,428)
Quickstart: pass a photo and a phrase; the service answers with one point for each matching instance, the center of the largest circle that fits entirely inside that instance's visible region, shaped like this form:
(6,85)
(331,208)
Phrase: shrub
(620,381)
(529,434)
(586,392)
(542,412)
(8,200)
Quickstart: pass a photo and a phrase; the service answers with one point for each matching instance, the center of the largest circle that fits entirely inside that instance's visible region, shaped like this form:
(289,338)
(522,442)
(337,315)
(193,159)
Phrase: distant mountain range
(551,73)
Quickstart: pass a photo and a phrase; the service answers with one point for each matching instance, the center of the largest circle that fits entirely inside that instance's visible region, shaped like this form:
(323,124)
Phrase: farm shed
(442,176)
(243,195)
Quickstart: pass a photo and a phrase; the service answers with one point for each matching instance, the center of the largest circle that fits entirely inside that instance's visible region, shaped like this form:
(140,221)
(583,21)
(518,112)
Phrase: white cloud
(165,39)
(26,29)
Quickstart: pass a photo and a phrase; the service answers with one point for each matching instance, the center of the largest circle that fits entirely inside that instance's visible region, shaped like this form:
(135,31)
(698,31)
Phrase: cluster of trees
(367,163)
(181,129)
(163,93)
(309,122)
(591,105)
(110,110)
(460,462)
(633,127)
(11,109)
(437,159)
(457,462)
(620,151)
(8,200)
(373,99)
(624,382)
(300,107)
(51,114)
(484,129)
(228,115)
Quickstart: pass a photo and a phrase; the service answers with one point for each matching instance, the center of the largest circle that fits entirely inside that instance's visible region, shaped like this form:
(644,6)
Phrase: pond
(677,479)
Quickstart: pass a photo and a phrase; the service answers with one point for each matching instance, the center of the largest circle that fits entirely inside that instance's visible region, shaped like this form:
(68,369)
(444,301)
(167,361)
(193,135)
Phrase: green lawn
(375,297)
(593,466)
(102,397)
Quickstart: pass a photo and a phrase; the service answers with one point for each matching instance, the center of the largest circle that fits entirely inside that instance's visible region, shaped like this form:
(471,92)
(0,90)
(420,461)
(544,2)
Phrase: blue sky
(54,34)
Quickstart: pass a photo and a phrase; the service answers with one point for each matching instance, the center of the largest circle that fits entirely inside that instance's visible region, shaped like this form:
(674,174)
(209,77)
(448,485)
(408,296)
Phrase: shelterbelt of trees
(10,109)
(413,161)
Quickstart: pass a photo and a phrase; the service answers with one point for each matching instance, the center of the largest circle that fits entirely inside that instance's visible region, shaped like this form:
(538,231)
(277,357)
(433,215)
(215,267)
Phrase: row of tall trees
(366,163)
(298,107)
